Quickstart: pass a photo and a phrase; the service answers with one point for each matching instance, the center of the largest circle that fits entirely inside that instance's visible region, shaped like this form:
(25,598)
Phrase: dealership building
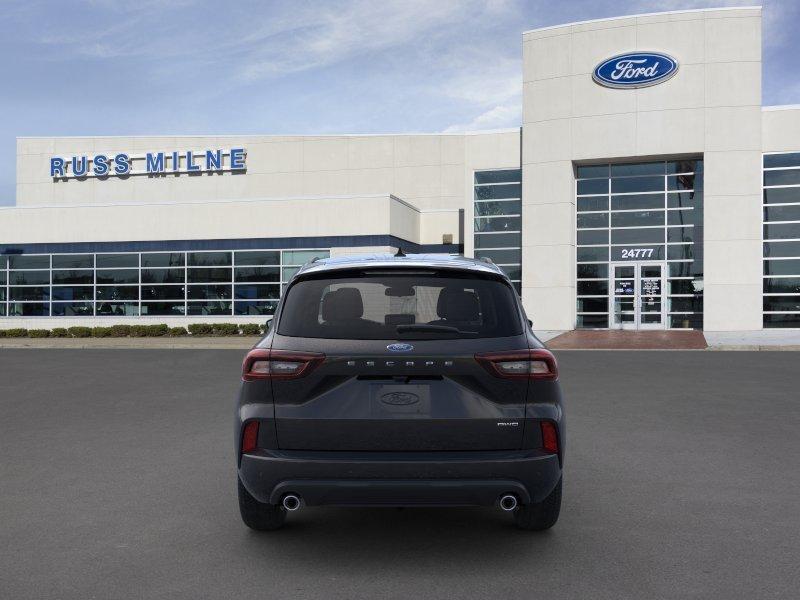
(647,188)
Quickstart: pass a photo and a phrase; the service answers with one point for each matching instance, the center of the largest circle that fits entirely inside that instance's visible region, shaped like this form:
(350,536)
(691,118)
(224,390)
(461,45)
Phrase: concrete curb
(756,347)
(166,343)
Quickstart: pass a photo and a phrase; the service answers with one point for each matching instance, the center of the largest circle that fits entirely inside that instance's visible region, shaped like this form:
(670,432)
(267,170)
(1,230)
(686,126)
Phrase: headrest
(458,305)
(344,303)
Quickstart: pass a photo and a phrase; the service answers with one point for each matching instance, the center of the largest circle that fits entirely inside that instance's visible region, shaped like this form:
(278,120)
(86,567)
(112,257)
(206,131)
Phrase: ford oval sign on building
(635,70)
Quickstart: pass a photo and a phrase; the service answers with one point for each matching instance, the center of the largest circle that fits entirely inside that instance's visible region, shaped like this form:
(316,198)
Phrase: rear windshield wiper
(424,327)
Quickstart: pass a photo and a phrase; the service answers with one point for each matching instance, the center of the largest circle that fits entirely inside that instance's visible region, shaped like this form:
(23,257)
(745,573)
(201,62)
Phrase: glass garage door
(640,214)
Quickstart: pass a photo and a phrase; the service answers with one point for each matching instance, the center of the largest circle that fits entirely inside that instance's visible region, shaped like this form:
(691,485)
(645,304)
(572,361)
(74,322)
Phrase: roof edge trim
(652,14)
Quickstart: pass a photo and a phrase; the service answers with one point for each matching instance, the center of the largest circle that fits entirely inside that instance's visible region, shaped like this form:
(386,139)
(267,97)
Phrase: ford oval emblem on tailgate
(400,398)
(399,347)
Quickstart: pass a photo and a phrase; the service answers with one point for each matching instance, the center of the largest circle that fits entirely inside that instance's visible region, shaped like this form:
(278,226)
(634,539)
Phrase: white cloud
(497,117)
(256,41)
(320,37)
(484,88)
(107,29)
(488,84)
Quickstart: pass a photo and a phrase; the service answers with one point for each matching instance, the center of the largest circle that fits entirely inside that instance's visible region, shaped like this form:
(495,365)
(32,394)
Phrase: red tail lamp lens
(539,364)
(549,437)
(261,363)
(250,436)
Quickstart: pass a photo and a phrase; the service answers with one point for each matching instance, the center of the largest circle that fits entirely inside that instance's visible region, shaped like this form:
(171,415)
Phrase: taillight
(521,364)
(250,436)
(549,437)
(279,364)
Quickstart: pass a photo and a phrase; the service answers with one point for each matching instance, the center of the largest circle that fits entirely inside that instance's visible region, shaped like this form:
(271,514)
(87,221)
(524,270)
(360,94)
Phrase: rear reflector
(250,436)
(279,364)
(521,364)
(549,437)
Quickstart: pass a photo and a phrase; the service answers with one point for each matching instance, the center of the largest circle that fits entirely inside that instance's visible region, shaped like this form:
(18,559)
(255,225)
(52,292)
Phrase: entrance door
(637,290)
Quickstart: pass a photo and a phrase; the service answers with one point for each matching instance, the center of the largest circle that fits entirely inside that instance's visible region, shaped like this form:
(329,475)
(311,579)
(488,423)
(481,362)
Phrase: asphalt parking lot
(117,480)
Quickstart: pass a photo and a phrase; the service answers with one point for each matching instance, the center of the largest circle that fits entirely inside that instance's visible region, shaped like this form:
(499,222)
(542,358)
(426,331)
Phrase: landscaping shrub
(177,331)
(225,329)
(80,332)
(250,329)
(2,333)
(157,330)
(59,332)
(149,330)
(120,330)
(201,329)
(16,332)
(138,331)
(38,333)
(101,332)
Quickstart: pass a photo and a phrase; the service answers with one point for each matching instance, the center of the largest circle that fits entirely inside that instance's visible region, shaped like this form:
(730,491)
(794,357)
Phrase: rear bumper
(399,479)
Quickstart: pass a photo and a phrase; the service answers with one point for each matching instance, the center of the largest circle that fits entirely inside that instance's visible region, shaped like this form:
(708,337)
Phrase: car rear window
(388,306)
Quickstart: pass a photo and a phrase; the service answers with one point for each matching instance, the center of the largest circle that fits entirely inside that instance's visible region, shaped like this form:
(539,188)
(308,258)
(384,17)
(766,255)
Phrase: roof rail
(306,264)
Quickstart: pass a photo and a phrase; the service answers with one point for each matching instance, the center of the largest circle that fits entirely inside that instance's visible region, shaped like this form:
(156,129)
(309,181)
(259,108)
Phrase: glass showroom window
(498,220)
(640,212)
(129,284)
(28,285)
(257,281)
(781,301)
(73,285)
(117,285)
(3,285)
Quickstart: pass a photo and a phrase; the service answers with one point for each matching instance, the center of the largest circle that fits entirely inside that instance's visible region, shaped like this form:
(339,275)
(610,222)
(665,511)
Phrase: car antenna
(400,253)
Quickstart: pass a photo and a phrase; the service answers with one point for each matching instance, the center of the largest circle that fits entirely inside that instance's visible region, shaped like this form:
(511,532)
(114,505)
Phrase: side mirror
(267,324)
(530,323)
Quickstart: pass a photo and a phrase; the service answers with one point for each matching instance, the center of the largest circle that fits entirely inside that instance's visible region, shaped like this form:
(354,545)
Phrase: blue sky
(105,67)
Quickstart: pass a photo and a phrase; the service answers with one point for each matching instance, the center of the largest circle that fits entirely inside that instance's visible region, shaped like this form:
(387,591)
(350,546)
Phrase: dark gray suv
(400,381)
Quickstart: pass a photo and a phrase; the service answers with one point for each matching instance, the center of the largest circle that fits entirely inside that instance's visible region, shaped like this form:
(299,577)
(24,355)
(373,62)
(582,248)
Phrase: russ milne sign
(635,70)
(150,163)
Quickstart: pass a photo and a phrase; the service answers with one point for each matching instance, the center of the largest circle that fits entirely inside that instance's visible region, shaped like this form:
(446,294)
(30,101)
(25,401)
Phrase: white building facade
(654,192)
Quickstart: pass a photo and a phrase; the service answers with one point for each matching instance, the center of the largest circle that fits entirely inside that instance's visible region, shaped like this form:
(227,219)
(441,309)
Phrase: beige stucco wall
(432,173)
(781,128)
(712,107)
(428,170)
(242,219)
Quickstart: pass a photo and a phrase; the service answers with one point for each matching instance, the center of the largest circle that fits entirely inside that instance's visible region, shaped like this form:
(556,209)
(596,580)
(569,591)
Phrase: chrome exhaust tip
(508,502)
(291,502)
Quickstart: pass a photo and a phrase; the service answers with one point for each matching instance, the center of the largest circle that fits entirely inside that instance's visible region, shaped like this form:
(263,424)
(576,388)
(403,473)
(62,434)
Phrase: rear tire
(540,515)
(257,515)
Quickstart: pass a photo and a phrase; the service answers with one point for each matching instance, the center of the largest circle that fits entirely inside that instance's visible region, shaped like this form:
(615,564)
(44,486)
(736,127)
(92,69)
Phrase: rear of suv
(400,381)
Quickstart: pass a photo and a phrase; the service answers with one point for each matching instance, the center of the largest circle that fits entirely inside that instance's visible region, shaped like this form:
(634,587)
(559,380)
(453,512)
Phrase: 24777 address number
(637,252)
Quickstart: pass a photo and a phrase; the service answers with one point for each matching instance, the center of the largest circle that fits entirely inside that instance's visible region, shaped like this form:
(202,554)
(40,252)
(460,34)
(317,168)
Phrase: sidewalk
(767,339)
(764,339)
(610,339)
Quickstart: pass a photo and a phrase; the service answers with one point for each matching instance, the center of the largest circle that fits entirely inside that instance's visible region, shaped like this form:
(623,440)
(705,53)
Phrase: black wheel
(541,515)
(257,515)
